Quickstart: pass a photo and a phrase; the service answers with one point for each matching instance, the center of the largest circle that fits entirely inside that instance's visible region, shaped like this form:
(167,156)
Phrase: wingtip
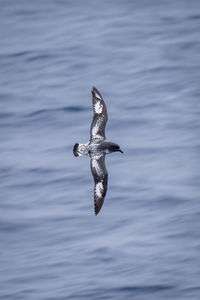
(96,208)
(95,91)
(98,203)
(94,88)
(96,211)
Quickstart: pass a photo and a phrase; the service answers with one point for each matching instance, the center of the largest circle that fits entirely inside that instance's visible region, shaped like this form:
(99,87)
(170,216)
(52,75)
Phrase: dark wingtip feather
(96,210)
(94,90)
(98,203)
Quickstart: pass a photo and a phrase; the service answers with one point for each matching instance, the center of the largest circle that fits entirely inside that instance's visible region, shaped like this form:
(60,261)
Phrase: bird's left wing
(100,176)
(97,130)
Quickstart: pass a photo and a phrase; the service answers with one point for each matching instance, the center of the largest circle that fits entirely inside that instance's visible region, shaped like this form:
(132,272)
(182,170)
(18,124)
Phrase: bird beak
(120,151)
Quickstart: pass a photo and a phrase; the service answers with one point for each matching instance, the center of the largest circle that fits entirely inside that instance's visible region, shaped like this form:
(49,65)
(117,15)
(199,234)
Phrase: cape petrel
(97,148)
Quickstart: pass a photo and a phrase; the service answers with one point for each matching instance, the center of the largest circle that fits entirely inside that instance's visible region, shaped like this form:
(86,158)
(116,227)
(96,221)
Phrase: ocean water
(144,57)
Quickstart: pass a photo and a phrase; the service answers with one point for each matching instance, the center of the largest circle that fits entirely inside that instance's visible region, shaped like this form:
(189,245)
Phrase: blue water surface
(144,57)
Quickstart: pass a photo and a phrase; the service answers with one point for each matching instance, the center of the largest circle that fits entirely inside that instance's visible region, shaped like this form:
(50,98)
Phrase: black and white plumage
(97,148)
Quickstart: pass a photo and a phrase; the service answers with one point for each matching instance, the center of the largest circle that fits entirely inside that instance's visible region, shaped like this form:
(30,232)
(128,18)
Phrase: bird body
(97,148)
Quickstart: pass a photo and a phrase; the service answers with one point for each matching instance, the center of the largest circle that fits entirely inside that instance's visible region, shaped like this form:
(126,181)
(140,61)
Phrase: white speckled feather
(99,189)
(98,107)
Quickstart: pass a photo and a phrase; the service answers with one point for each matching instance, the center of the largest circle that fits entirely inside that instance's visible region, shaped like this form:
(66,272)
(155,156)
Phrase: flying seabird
(97,148)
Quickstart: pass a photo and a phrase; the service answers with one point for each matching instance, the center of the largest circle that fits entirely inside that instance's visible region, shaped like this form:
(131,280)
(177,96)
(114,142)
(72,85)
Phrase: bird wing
(100,176)
(97,129)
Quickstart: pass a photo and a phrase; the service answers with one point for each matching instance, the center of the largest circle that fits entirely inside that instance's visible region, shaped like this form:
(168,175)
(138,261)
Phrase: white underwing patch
(99,189)
(98,107)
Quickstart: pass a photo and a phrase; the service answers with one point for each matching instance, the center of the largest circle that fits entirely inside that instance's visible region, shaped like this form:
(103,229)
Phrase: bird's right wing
(100,176)
(97,130)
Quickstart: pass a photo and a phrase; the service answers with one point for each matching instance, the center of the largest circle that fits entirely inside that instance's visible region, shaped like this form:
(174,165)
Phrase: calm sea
(144,57)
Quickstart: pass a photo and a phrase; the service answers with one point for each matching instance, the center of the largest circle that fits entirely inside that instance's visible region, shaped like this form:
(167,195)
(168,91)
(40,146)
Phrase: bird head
(115,148)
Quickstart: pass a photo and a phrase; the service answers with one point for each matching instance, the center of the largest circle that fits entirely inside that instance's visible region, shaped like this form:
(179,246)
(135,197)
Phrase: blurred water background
(144,57)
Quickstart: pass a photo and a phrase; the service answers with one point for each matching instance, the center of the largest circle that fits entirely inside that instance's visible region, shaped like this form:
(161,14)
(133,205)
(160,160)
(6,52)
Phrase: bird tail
(75,150)
(80,149)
